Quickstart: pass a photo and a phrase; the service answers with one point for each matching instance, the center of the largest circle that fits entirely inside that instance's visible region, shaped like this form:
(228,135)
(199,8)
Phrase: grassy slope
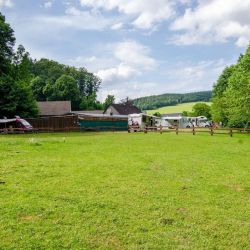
(175,109)
(124,191)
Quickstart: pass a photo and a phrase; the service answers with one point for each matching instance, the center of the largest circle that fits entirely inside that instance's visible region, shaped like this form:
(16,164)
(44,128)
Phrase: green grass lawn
(175,109)
(124,191)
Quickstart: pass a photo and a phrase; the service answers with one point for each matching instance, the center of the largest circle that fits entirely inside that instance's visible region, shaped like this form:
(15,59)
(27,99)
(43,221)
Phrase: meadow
(175,109)
(124,191)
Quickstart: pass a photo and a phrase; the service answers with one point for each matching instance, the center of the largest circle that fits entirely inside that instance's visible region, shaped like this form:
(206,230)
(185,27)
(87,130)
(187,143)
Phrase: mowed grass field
(124,191)
(175,109)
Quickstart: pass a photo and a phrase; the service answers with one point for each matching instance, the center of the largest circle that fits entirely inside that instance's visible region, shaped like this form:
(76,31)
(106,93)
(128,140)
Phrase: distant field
(124,191)
(175,109)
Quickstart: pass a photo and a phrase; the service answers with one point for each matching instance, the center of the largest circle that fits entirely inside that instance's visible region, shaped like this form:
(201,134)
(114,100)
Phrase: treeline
(52,81)
(23,81)
(158,101)
(231,94)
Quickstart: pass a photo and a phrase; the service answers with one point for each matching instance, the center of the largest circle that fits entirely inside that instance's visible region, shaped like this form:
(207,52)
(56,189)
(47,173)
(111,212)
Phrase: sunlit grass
(124,191)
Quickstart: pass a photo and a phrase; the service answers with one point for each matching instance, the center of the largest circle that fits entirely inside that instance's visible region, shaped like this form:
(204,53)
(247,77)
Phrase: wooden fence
(212,131)
(55,123)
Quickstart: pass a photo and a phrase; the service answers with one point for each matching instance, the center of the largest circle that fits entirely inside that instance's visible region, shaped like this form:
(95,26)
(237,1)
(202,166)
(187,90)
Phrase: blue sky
(137,47)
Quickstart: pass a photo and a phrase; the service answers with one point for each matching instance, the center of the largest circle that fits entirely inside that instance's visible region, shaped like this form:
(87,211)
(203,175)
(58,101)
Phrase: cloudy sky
(137,47)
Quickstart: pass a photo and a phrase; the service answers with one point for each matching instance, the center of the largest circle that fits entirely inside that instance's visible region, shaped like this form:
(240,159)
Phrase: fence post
(176,130)
(231,133)
(193,131)
(211,131)
(145,130)
(161,129)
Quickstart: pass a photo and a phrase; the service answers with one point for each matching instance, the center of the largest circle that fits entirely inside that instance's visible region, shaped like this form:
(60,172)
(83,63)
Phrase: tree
(45,85)
(7,41)
(158,114)
(231,104)
(16,95)
(222,83)
(16,99)
(66,89)
(22,65)
(202,109)
(90,103)
(110,99)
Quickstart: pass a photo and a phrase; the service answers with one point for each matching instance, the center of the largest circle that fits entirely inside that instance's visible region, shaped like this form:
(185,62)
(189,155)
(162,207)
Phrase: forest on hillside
(158,101)
(24,80)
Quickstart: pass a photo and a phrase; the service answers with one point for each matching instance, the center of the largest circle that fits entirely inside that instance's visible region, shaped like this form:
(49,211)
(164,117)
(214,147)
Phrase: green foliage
(16,99)
(158,114)
(201,109)
(222,83)
(232,105)
(51,80)
(157,101)
(7,41)
(22,65)
(124,191)
(65,88)
(90,103)
(110,99)
(16,95)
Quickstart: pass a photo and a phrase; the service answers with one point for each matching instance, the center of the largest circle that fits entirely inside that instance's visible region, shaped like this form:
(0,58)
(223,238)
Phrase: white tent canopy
(7,120)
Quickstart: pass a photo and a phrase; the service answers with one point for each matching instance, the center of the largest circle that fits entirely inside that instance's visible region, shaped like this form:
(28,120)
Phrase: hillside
(179,108)
(158,101)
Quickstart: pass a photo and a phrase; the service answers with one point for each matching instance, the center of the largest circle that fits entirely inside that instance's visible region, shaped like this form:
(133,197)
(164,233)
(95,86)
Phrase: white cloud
(144,13)
(48,4)
(134,53)
(6,3)
(129,60)
(77,19)
(92,63)
(214,21)
(188,76)
(116,75)
(131,57)
(117,26)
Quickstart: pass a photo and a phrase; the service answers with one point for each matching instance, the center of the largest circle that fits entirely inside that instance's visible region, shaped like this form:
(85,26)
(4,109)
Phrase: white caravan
(176,121)
(200,121)
(138,122)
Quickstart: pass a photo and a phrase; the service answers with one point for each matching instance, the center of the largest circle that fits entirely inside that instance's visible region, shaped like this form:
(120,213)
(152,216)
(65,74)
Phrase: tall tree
(232,104)
(202,109)
(110,99)
(16,99)
(15,94)
(7,41)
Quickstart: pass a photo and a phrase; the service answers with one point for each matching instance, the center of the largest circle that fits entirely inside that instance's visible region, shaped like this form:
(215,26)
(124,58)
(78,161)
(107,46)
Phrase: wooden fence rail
(160,129)
(212,131)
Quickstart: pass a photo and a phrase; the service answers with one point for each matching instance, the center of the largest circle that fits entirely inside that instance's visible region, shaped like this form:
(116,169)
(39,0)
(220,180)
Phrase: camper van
(200,121)
(16,124)
(138,122)
(176,121)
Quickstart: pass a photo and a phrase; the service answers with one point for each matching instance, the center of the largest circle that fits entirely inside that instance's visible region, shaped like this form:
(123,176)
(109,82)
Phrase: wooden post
(193,131)
(161,129)
(176,131)
(231,132)
(145,130)
(211,131)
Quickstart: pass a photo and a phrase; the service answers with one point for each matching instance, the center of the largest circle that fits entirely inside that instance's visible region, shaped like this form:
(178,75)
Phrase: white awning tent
(7,120)
(172,118)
